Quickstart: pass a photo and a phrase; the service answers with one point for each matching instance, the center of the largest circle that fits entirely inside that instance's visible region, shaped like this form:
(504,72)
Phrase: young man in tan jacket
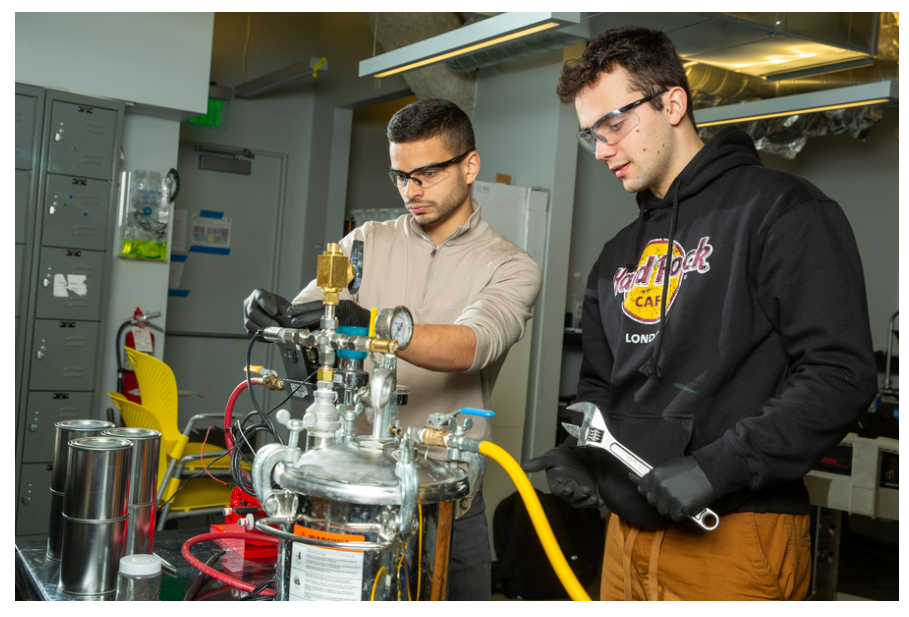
(470,291)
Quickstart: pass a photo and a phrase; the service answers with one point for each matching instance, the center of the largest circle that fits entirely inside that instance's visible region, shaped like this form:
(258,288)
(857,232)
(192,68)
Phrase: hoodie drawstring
(651,368)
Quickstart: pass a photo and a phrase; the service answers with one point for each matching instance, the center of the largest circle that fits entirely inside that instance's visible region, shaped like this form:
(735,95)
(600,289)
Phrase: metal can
(94,515)
(143,484)
(67,430)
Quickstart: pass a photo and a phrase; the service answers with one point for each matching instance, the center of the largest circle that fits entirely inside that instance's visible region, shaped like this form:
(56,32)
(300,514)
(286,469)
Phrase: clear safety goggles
(613,126)
(424,176)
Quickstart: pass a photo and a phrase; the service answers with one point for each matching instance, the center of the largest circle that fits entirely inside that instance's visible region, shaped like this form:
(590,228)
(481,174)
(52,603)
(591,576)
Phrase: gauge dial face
(396,323)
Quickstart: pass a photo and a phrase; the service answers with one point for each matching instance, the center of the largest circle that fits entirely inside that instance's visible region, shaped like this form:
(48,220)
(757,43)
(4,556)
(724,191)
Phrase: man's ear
(473,166)
(676,104)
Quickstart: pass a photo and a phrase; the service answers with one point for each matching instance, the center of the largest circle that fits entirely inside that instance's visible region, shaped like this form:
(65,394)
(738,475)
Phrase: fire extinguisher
(137,337)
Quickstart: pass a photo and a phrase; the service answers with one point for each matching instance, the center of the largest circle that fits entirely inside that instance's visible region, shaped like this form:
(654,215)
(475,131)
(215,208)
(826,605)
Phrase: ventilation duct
(394,30)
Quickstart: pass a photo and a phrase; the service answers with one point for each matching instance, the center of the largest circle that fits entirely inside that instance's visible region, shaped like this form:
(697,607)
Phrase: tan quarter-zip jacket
(476,277)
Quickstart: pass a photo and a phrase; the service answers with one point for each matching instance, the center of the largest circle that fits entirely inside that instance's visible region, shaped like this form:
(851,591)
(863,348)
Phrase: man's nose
(604,151)
(412,189)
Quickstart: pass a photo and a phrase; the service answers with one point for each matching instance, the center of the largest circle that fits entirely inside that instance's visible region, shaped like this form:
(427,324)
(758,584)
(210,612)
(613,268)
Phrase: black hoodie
(765,361)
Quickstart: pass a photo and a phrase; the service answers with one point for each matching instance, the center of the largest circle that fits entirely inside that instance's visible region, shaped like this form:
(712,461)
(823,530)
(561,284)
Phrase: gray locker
(23,178)
(82,140)
(63,355)
(44,410)
(34,499)
(69,284)
(75,212)
(26,112)
(19,263)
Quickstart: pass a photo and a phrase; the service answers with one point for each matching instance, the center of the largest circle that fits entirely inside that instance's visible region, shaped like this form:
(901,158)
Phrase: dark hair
(432,118)
(648,56)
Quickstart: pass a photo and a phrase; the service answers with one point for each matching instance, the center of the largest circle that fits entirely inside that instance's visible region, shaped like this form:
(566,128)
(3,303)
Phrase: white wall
(149,144)
(155,59)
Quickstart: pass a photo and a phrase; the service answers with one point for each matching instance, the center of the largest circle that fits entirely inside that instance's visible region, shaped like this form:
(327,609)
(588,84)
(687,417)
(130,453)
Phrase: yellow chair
(201,493)
(158,388)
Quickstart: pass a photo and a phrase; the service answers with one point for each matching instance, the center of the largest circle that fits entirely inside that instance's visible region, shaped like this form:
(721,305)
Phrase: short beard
(447,207)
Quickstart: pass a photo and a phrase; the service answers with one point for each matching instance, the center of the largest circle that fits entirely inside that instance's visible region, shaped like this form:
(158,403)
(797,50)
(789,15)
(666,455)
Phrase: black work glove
(568,475)
(263,309)
(677,488)
(309,314)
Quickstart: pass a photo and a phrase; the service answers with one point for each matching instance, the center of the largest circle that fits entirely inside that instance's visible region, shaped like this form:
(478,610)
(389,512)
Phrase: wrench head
(593,419)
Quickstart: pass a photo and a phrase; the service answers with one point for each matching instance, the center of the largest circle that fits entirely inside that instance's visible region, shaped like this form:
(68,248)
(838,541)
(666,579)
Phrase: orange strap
(654,561)
(626,559)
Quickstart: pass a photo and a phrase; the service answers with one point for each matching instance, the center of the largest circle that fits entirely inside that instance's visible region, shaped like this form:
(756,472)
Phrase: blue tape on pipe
(177,258)
(178,293)
(470,411)
(211,214)
(352,331)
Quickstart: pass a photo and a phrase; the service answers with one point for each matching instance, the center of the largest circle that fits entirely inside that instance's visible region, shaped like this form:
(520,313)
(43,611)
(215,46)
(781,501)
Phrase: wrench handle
(707,519)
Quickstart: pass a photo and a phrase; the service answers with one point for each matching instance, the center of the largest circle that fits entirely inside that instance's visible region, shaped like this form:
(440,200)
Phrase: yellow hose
(538,518)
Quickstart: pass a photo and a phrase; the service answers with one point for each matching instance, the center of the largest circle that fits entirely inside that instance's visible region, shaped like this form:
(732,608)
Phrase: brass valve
(382,345)
(273,382)
(333,273)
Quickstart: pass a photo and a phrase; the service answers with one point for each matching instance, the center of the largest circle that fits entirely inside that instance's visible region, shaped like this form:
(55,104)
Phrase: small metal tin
(143,484)
(66,431)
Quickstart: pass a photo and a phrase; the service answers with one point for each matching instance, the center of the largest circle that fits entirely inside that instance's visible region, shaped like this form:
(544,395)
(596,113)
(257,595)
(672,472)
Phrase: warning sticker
(325,574)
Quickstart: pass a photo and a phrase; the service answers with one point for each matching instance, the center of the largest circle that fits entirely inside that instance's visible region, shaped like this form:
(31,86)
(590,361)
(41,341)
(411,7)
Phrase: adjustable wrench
(593,432)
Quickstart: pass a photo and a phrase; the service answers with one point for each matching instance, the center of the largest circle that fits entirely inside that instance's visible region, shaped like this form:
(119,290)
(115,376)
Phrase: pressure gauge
(395,323)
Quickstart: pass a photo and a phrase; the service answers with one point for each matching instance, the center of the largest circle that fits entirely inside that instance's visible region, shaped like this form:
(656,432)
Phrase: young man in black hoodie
(733,368)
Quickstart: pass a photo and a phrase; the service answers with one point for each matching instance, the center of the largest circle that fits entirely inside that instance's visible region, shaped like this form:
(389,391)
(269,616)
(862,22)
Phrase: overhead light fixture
(879,93)
(493,31)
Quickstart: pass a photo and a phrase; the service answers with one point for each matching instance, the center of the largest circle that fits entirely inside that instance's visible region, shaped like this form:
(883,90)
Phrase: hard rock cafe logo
(643,287)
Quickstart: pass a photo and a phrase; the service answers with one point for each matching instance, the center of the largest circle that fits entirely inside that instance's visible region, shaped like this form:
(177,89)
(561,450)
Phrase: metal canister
(143,485)
(67,430)
(94,515)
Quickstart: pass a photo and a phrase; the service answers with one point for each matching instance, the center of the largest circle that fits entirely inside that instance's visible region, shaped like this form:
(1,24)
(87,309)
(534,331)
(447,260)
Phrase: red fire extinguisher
(139,337)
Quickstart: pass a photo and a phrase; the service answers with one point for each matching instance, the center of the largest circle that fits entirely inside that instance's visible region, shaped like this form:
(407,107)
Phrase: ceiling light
(493,31)
(879,93)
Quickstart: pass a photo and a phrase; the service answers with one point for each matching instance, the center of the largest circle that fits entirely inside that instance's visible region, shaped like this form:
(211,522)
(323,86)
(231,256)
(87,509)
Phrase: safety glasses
(424,176)
(613,126)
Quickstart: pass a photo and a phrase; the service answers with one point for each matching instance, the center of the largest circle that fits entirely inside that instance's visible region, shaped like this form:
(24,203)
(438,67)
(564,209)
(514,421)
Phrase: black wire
(258,589)
(193,478)
(252,393)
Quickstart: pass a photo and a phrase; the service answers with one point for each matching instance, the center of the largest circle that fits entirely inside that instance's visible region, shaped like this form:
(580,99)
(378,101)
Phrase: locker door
(82,140)
(26,111)
(75,212)
(44,410)
(69,284)
(63,357)
(19,249)
(22,181)
(34,499)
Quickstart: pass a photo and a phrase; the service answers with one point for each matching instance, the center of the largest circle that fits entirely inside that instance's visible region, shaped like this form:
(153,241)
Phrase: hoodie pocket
(656,439)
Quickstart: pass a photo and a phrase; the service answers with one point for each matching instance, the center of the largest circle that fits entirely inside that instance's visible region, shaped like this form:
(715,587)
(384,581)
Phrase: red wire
(229,410)
(221,576)
(202,457)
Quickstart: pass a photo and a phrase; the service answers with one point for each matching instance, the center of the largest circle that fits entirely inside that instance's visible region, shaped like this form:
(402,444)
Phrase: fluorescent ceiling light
(777,55)
(489,32)
(882,92)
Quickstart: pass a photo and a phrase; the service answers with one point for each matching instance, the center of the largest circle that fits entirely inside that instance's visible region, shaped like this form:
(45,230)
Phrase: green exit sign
(217,116)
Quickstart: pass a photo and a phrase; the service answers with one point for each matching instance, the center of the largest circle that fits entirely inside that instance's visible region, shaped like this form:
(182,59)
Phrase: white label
(65,283)
(142,340)
(325,574)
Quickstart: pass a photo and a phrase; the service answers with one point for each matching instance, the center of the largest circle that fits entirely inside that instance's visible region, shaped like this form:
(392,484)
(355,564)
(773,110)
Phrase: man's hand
(308,315)
(678,488)
(568,475)
(263,309)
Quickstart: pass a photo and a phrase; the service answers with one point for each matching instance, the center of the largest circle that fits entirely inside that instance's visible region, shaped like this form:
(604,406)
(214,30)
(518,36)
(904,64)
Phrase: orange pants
(750,556)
